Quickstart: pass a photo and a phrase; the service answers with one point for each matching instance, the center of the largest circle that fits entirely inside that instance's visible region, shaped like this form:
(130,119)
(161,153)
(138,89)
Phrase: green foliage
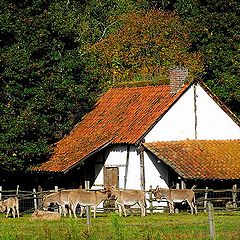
(100,18)
(215,31)
(154,226)
(46,82)
(117,226)
(49,79)
(151,43)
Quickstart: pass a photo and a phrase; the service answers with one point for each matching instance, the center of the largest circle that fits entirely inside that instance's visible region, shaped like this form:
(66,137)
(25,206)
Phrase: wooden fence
(224,199)
(28,200)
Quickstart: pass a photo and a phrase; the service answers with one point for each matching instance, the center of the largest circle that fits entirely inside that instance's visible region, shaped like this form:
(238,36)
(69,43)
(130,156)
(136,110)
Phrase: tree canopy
(46,83)
(151,42)
(215,31)
(56,58)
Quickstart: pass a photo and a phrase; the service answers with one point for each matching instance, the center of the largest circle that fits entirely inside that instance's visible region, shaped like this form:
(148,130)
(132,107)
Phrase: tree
(46,82)
(215,31)
(151,42)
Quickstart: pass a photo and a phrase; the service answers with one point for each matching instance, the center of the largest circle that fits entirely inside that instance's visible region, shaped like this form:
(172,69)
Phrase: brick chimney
(178,76)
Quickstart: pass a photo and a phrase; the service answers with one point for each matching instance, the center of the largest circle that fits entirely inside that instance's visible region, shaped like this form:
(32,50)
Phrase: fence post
(88,209)
(34,198)
(59,207)
(211,220)
(205,200)
(234,196)
(17,191)
(150,199)
(40,194)
(0,192)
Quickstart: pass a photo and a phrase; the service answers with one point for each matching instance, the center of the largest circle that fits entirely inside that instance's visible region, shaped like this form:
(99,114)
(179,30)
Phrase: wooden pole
(142,168)
(234,196)
(150,199)
(195,111)
(34,198)
(211,220)
(17,190)
(40,199)
(88,210)
(126,167)
(205,200)
(183,184)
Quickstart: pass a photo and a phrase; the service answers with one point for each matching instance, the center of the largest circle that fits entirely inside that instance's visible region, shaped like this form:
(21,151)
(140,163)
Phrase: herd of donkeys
(68,200)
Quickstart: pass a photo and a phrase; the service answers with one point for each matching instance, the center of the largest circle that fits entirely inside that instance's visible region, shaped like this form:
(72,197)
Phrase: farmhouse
(136,137)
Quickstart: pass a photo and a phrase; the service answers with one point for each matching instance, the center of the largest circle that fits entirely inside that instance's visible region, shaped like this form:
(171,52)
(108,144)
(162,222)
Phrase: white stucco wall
(155,175)
(213,122)
(179,122)
(117,158)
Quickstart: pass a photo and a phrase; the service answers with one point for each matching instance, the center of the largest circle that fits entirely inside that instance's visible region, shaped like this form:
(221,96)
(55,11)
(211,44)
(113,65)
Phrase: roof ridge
(146,86)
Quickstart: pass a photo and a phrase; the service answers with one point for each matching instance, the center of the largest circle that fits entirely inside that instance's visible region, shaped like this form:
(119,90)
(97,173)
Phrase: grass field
(111,226)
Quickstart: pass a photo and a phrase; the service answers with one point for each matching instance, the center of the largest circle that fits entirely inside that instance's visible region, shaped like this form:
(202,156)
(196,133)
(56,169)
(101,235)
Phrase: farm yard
(119,120)
(108,224)
(111,226)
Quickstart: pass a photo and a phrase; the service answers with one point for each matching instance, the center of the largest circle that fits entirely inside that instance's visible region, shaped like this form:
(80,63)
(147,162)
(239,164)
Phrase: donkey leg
(191,206)
(143,210)
(81,211)
(17,210)
(194,207)
(13,212)
(120,210)
(171,207)
(94,211)
(8,210)
(124,210)
(74,211)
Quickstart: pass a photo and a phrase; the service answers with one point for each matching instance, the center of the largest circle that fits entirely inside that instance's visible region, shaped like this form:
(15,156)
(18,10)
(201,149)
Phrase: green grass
(157,226)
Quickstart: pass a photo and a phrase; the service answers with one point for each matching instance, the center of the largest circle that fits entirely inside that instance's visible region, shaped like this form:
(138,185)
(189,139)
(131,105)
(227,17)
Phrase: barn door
(111,176)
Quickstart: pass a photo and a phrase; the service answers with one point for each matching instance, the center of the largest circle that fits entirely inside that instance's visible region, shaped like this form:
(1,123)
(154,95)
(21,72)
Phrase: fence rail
(222,199)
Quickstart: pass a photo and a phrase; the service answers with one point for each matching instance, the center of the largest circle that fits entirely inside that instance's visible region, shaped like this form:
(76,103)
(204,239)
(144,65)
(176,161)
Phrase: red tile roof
(122,115)
(200,159)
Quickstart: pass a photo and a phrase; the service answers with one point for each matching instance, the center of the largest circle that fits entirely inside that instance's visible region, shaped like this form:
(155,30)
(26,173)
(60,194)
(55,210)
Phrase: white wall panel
(212,121)
(177,123)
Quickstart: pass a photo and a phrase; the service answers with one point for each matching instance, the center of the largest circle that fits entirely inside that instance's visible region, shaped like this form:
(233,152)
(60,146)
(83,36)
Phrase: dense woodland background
(58,57)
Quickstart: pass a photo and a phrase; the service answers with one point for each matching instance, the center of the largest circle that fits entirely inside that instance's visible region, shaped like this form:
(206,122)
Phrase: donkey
(85,198)
(8,204)
(61,198)
(128,197)
(176,195)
